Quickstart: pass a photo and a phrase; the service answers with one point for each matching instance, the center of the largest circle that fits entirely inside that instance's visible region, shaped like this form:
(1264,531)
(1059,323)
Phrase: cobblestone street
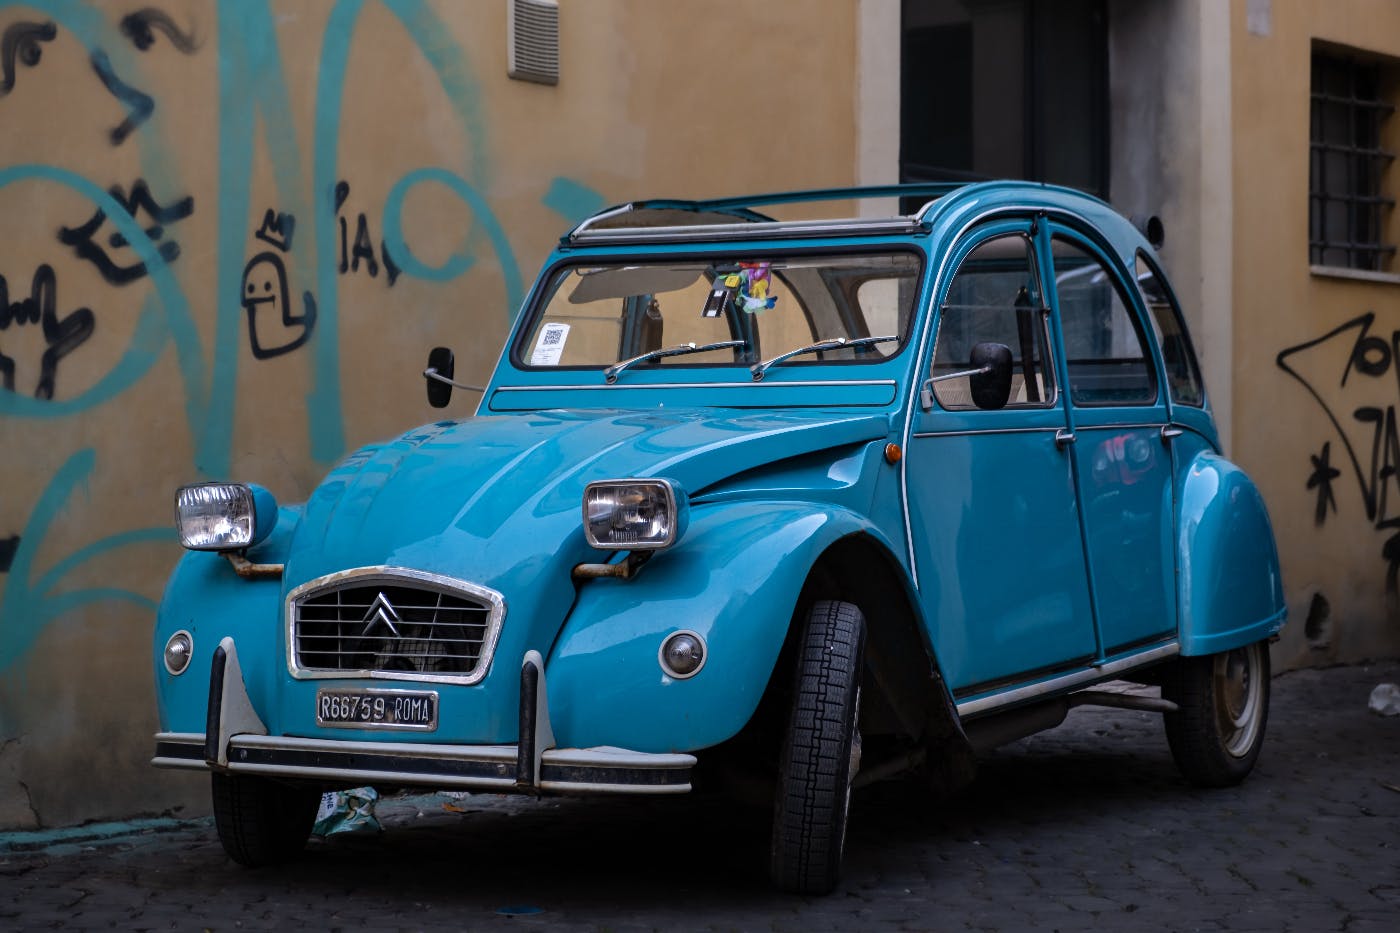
(1087,826)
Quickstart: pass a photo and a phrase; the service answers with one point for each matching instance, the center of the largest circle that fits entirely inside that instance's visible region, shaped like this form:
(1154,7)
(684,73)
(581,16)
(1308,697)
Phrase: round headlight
(178,651)
(682,654)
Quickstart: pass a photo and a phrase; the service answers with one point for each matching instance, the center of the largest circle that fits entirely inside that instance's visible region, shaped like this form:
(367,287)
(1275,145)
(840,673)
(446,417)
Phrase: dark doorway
(1005,89)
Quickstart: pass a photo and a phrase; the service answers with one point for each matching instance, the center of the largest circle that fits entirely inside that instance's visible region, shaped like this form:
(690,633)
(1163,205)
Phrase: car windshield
(760,307)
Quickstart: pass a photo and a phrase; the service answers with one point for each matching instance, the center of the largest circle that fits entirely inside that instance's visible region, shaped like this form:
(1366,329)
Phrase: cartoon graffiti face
(264,297)
(265,287)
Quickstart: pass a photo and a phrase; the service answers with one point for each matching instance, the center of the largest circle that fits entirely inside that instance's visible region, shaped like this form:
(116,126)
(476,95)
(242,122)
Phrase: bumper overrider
(236,740)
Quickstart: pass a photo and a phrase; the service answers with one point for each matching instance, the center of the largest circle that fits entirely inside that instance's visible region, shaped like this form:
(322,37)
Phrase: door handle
(1064,437)
(1170,431)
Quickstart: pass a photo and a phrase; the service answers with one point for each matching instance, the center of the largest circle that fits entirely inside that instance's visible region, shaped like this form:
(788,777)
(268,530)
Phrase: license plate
(377,709)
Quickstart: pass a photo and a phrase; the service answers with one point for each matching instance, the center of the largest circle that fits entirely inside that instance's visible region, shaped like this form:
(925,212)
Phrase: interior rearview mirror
(991,388)
(441,363)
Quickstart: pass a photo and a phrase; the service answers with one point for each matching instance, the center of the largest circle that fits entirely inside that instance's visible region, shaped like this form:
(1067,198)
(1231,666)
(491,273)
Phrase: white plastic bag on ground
(347,811)
(1385,700)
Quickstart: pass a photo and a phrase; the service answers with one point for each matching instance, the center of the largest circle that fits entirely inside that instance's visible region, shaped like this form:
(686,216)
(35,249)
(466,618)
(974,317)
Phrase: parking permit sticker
(549,347)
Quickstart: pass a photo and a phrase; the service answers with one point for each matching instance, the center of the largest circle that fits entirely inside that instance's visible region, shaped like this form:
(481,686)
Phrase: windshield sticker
(549,347)
(714,305)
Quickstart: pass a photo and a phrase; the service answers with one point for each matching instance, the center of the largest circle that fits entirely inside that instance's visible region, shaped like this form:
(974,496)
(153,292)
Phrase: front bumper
(237,741)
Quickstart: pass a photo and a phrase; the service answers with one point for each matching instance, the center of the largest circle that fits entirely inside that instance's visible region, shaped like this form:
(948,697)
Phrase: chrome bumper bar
(236,741)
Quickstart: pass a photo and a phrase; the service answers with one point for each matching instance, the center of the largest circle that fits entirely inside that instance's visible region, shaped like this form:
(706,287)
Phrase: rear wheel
(1223,699)
(821,752)
(261,821)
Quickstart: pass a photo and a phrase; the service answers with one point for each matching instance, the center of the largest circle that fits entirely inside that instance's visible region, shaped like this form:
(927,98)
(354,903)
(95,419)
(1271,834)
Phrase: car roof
(943,208)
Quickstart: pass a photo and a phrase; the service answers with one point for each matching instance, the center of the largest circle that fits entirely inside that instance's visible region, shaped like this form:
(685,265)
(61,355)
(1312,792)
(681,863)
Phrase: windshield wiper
(833,343)
(680,349)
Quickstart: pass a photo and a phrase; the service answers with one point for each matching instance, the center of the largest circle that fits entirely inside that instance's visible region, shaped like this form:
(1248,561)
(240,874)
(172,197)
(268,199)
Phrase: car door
(1121,451)
(993,522)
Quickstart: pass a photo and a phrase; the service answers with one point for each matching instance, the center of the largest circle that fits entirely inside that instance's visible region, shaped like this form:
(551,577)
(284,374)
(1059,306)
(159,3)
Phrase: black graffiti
(83,240)
(1374,357)
(137,27)
(363,247)
(139,105)
(8,548)
(265,287)
(277,230)
(21,40)
(1321,479)
(62,336)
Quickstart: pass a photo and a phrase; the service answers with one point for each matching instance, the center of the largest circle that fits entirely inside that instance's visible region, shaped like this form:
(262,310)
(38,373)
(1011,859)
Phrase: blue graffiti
(572,200)
(28,605)
(254,110)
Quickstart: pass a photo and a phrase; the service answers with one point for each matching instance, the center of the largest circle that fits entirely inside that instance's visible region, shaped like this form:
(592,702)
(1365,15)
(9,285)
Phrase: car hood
(498,500)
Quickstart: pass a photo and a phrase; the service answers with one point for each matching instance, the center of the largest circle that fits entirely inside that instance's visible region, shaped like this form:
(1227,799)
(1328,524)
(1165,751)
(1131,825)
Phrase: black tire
(821,752)
(262,821)
(1217,733)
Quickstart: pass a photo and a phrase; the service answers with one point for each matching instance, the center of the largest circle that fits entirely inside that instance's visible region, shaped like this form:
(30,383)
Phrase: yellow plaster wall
(1333,494)
(229,110)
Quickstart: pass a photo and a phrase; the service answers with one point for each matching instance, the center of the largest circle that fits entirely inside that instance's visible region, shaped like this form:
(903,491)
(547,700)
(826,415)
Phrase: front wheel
(261,821)
(821,752)
(1223,701)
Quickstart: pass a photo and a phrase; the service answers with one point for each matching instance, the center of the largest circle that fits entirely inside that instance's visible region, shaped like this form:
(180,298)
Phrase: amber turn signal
(893,453)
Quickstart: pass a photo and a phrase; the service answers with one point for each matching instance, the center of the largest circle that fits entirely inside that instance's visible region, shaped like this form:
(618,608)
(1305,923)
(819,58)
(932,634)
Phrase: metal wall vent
(532,40)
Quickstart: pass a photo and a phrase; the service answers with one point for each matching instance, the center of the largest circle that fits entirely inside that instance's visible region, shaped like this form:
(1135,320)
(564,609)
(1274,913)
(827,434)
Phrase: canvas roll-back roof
(662,221)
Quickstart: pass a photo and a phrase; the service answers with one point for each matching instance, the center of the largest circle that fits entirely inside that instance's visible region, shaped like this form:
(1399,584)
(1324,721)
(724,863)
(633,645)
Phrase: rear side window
(1183,375)
(1105,354)
(995,297)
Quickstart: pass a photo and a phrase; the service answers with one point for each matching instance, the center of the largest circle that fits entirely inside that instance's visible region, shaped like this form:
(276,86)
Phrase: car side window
(1105,355)
(995,297)
(1183,375)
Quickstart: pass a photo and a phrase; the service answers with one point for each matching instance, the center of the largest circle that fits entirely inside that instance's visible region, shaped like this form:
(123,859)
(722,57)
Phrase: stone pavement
(1084,827)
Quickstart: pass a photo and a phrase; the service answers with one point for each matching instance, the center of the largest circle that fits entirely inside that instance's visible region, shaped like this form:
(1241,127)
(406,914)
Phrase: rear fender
(1231,590)
(735,578)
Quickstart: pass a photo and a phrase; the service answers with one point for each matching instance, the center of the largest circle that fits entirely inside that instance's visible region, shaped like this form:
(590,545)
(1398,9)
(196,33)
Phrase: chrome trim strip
(360,576)
(745,231)
(619,387)
(1066,681)
(923,434)
(504,754)
(503,785)
(1081,428)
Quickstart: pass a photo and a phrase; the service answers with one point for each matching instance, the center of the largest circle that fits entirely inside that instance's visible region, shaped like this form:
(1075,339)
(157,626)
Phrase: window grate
(1348,167)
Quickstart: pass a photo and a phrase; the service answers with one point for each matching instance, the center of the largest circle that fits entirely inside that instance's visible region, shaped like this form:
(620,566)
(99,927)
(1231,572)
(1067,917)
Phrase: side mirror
(991,387)
(442,364)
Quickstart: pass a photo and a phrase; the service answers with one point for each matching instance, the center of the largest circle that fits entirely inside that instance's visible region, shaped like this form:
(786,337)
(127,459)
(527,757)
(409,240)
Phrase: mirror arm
(431,373)
(926,392)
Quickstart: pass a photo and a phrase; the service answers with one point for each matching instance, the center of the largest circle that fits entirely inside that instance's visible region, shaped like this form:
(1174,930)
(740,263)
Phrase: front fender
(735,579)
(1230,587)
(206,598)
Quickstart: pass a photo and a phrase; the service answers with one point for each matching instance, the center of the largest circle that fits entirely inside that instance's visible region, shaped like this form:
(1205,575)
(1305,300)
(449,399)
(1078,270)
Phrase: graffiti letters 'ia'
(21,41)
(83,238)
(363,248)
(62,336)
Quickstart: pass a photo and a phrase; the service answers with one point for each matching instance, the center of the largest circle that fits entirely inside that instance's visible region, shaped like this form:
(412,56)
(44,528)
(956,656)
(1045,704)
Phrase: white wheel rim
(1239,698)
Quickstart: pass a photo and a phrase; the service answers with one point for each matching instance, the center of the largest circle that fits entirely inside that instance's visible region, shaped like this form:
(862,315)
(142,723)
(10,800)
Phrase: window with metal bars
(1349,169)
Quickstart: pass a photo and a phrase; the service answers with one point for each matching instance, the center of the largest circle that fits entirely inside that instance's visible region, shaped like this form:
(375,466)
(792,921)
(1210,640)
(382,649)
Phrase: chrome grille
(391,623)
